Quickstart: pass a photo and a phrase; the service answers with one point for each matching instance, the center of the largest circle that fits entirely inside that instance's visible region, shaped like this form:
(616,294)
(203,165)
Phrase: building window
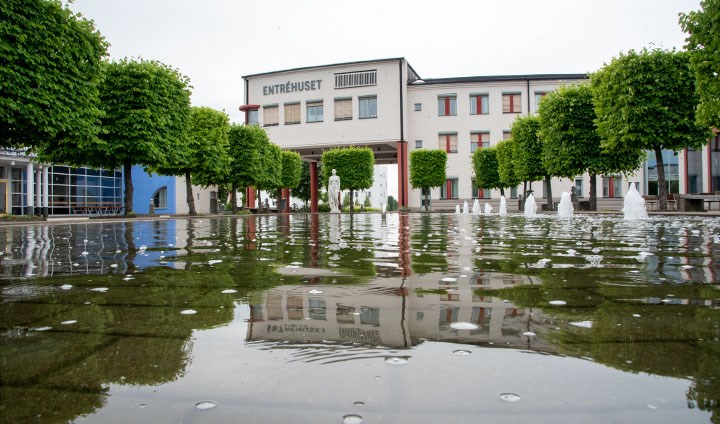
(514,193)
(538,97)
(160,198)
(611,186)
(507,135)
(449,190)
(418,107)
(511,103)
(579,187)
(672,174)
(418,144)
(253,117)
(479,104)
(314,111)
(292,113)
(479,140)
(356,79)
(448,142)
(367,107)
(479,192)
(447,105)
(343,109)
(271,116)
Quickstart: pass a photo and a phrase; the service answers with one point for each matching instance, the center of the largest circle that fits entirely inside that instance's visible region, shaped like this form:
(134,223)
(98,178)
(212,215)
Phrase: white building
(385,105)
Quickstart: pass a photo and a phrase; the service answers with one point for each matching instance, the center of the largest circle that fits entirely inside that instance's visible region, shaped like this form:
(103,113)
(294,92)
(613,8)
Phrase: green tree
(646,101)
(246,148)
(50,68)
(527,153)
(703,44)
(147,108)
(485,166)
(427,170)
(506,166)
(571,144)
(303,189)
(271,177)
(392,204)
(292,166)
(354,166)
(204,156)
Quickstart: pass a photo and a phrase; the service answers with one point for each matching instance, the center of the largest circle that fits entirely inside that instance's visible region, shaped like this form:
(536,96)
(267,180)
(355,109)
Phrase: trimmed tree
(50,68)
(427,170)
(303,189)
(571,144)
(204,156)
(485,166)
(527,153)
(271,177)
(354,166)
(291,172)
(703,44)
(147,107)
(506,166)
(646,101)
(246,148)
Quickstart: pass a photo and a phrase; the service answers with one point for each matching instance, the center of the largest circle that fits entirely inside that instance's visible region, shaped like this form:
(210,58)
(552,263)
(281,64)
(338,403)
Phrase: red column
(403,180)
(313,188)
(250,197)
(286,196)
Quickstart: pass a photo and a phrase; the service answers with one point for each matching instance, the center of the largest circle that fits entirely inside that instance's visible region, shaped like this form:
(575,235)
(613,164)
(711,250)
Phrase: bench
(695,202)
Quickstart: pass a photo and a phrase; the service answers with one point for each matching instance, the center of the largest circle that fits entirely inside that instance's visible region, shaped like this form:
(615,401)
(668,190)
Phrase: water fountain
(465,207)
(530,206)
(457,208)
(476,207)
(503,206)
(488,209)
(634,204)
(565,208)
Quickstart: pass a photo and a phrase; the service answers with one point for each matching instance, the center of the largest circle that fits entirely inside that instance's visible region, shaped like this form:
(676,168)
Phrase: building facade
(385,105)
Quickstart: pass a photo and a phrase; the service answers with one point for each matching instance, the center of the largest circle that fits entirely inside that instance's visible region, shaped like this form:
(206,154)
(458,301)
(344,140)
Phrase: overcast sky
(216,42)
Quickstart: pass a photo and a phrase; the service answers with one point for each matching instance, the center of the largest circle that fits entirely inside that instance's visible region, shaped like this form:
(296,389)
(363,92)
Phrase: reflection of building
(27,187)
(394,318)
(385,105)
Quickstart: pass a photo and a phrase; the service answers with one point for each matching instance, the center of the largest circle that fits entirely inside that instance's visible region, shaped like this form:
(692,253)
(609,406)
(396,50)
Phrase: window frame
(347,102)
(445,144)
(513,107)
(288,107)
(448,105)
(314,106)
(160,198)
(268,110)
(360,107)
(479,143)
(479,99)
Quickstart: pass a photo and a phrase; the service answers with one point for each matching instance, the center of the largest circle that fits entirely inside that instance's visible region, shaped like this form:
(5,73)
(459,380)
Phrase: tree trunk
(548,193)
(127,176)
(352,200)
(502,191)
(662,186)
(190,198)
(233,198)
(593,192)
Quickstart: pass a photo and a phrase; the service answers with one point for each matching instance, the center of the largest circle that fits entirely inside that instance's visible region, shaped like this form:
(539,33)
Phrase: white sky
(216,42)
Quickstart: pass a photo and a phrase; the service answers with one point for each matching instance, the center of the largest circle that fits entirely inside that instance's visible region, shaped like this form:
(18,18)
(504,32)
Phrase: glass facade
(672,172)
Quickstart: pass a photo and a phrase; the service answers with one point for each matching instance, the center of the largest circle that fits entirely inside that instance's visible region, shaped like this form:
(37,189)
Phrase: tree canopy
(703,44)
(528,149)
(427,170)
(646,101)
(203,158)
(506,167)
(246,146)
(485,166)
(50,68)
(291,169)
(354,166)
(147,107)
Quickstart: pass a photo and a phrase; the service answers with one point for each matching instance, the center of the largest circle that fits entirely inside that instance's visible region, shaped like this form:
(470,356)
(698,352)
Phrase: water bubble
(313,291)
(396,360)
(449,280)
(227,291)
(188,312)
(529,334)
(100,289)
(359,403)
(557,302)
(636,315)
(42,328)
(509,397)
(463,326)
(85,253)
(142,405)
(68,322)
(214,261)
(582,324)
(66,286)
(205,405)
(461,352)
(352,419)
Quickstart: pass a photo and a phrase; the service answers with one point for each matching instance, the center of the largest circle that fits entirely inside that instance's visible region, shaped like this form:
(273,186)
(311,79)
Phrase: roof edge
(306,68)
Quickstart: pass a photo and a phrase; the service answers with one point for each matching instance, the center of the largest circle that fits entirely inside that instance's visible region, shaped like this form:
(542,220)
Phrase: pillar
(38,190)
(45,190)
(403,180)
(250,197)
(29,190)
(286,195)
(313,188)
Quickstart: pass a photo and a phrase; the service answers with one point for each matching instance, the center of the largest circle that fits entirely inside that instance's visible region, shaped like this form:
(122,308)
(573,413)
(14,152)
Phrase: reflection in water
(160,320)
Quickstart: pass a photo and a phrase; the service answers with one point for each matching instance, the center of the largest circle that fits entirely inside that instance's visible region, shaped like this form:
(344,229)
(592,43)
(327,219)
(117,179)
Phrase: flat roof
(306,68)
(491,78)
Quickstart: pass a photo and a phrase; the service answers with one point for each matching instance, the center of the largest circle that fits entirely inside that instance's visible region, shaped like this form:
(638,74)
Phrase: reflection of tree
(429,239)
(647,335)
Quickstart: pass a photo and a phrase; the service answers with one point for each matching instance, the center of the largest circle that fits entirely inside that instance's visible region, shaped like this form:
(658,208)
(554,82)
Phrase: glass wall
(84,190)
(694,171)
(672,174)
